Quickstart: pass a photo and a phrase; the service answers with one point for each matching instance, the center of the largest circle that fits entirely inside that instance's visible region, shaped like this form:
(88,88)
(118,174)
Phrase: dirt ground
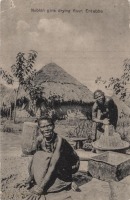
(14,170)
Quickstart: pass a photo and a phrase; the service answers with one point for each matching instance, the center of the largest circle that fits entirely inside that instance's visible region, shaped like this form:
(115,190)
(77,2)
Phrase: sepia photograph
(65,100)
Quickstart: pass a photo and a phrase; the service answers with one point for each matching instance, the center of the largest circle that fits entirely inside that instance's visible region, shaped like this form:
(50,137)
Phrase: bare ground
(14,170)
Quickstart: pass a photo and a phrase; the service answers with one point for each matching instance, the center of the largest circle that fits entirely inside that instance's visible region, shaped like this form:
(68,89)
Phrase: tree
(6,76)
(23,71)
(119,85)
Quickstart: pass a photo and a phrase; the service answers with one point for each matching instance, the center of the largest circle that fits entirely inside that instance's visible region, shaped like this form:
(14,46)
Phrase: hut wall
(61,111)
(72,111)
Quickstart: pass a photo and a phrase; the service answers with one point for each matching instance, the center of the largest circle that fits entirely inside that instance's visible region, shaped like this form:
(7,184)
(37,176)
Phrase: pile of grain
(111,142)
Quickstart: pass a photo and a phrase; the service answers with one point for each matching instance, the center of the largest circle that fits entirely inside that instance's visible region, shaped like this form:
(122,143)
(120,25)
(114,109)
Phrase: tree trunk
(10,115)
(17,90)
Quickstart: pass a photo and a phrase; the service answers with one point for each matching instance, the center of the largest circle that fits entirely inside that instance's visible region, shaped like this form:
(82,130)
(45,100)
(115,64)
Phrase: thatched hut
(62,95)
(65,95)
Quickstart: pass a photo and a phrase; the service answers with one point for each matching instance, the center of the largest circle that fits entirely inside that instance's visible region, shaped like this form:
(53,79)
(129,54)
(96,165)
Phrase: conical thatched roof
(57,86)
(60,86)
(53,73)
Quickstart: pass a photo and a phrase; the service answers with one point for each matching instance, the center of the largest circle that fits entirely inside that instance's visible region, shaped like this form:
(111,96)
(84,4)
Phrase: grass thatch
(58,85)
(66,92)
(53,73)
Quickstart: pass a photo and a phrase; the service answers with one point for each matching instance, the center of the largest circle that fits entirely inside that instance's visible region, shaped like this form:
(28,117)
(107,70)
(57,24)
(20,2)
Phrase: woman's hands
(37,190)
(35,194)
(105,121)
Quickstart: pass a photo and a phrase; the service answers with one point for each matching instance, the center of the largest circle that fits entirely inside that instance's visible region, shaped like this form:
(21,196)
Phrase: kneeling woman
(54,162)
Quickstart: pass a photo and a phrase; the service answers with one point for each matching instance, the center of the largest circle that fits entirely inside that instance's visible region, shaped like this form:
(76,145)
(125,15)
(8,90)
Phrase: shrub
(83,128)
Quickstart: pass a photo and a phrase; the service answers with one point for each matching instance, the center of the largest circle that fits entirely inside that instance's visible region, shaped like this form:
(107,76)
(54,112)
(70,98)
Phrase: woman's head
(46,127)
(99,96)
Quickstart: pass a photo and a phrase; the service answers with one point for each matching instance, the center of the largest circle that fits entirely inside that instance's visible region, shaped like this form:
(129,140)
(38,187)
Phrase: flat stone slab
(96,189)
(88,192)
(91,190)
(119,191)
(59,196)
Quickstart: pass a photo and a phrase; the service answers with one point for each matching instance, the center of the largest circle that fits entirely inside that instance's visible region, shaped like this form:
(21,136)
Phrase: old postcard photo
(65,100)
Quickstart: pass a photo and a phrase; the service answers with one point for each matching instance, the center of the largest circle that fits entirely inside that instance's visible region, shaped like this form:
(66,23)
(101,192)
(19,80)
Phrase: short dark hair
(50,120)
(98,92)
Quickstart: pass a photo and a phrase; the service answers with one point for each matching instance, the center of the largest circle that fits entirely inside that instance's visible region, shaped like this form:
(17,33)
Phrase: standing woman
(104,112)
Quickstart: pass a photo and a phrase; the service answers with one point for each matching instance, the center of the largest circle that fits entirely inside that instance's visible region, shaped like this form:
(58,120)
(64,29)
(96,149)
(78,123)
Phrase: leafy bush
(82,129)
